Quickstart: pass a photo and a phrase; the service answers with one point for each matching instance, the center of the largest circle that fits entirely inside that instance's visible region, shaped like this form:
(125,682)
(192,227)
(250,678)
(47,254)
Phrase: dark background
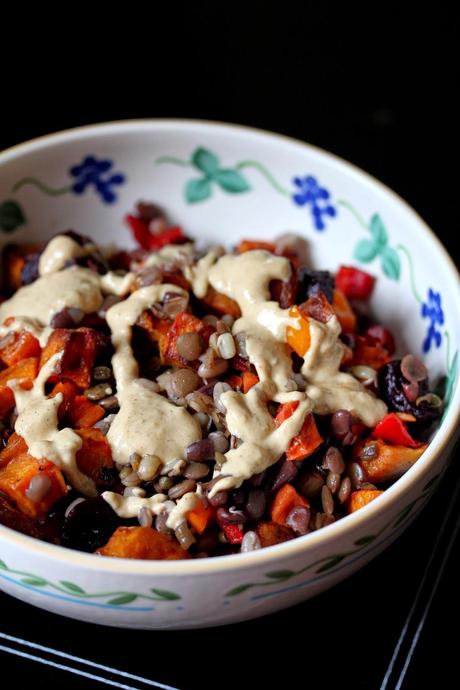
(375,87)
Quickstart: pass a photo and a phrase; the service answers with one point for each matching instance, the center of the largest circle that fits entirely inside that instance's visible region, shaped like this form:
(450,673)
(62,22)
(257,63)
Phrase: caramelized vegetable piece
(14,260)
(354,283)
(94,454)
(307,441)
(393,430)
(16,477)
(344,312)
(6,401)
(298,338)
(13,518)
(250,245)
(200,517)
(317,307)
(16,446)
(185,323)
(249,380)
(157,330)
(286,499)
(83,413)
(19,346)
(236,382)
(25,372)
(373,356)
(389,462)
(361,498)
(69,391)
(80,348)
(142,542)
(271,533)
(220,304)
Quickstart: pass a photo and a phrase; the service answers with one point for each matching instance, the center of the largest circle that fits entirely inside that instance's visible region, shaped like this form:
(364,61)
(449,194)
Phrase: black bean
(333,461)
(230,516)
(219,499)
(287,472)
(255,504)
(196,470)
(311,483)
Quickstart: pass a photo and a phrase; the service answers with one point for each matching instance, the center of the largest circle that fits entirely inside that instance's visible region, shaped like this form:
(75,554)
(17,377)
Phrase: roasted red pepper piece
(150,241)
(307,440)
(233,533)
(354,283)
(393,430)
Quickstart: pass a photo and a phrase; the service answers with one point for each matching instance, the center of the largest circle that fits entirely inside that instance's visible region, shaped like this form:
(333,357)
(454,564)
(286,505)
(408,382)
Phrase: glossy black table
(378,90)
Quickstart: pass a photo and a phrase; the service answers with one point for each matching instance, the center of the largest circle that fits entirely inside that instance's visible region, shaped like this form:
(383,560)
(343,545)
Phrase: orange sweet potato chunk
(19,346)
(80,347)
(94,454)
(220,304)
(15,446)
(390,462)
(361,498)
(144,543)
(6,401)
(16,476)
(271,533)
(24,371)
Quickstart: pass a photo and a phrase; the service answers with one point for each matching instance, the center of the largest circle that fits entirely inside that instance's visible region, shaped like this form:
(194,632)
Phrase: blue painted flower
(432,310)
(309,192)
(93,172)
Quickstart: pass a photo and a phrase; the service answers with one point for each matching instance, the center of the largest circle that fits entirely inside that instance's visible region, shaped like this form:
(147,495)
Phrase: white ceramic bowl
(223,182)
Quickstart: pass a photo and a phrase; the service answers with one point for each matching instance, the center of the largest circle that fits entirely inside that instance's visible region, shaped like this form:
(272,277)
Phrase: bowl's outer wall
(260,211)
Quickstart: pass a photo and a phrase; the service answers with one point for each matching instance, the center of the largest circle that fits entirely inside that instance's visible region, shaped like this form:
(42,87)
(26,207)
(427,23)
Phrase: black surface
(378,89)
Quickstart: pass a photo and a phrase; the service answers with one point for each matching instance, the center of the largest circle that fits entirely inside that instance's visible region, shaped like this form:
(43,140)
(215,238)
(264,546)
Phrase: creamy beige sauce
(327,387)
(129,506)
(245,278)
(147,422)
(37,423)
(75,287)
(178,514)
(197,274)
(58,251)
(171,254)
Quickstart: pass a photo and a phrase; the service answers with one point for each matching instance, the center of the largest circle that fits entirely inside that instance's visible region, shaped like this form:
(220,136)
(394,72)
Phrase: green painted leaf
(238,590)
(331,563)
(404,514)
(451,379)
(365,540)
(391,264)
(11,216)
(280,574)
(165,594)
(378,230)
(431,483)
(123,599)
(206,161)
(34,581)
(197,190)
(366,250)
(72,587)
(232,181)
(3,565)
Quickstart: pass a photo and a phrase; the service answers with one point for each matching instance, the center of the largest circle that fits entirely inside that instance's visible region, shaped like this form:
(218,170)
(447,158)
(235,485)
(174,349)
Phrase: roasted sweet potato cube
(6,401)
(15,479)
(19,346)
(24,372)
(16,446)
(185,323)
(94,454)
(142,542)
(220,304)
(83,413)
(157,330)
(68,390)
(361,498)
(271,533)
(80,348)
(383,462)
(13,518)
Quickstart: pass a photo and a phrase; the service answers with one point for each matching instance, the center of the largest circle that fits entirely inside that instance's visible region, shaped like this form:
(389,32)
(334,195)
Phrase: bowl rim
(449,428)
